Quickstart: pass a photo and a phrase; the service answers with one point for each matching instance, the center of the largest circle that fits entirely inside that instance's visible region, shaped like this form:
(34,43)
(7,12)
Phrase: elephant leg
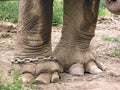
(34,40)
(73,50)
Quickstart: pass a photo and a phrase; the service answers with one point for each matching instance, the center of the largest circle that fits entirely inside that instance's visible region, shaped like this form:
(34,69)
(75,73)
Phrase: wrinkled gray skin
(73,52)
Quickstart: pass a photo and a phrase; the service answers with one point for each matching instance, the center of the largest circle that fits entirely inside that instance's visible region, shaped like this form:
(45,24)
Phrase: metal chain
(31,60)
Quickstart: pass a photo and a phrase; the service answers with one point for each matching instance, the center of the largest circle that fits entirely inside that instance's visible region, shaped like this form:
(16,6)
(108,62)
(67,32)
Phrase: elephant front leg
(34,42)
(73,50)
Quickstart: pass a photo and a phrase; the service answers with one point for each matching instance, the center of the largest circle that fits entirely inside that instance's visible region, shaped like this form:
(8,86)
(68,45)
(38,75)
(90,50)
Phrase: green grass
(116,53)
(9,11)
(112,39)
(57,12)
(15,83)
(102,10)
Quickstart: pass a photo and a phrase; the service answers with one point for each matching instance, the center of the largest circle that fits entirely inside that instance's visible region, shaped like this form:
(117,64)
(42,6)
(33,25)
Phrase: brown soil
(108,80)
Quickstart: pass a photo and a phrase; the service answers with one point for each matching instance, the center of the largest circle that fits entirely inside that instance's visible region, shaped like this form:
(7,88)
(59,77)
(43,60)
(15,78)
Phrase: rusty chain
(31,60)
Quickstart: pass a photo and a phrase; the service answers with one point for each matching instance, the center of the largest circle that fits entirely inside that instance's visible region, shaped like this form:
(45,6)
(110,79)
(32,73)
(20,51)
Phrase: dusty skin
(109,80)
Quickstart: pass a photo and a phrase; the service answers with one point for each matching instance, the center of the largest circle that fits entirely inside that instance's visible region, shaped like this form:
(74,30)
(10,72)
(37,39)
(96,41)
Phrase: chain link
(31,60)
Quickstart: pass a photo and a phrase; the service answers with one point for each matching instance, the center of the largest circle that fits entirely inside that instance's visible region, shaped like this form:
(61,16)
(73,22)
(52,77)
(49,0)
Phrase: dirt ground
(108,80)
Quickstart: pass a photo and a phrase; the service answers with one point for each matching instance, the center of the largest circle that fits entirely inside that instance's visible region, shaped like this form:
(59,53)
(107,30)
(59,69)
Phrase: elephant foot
(46,78)
(77,69)
(27,78)
(47,72)
(42,72)
(43,78)
(88,64)
(77,62)
(91,67)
